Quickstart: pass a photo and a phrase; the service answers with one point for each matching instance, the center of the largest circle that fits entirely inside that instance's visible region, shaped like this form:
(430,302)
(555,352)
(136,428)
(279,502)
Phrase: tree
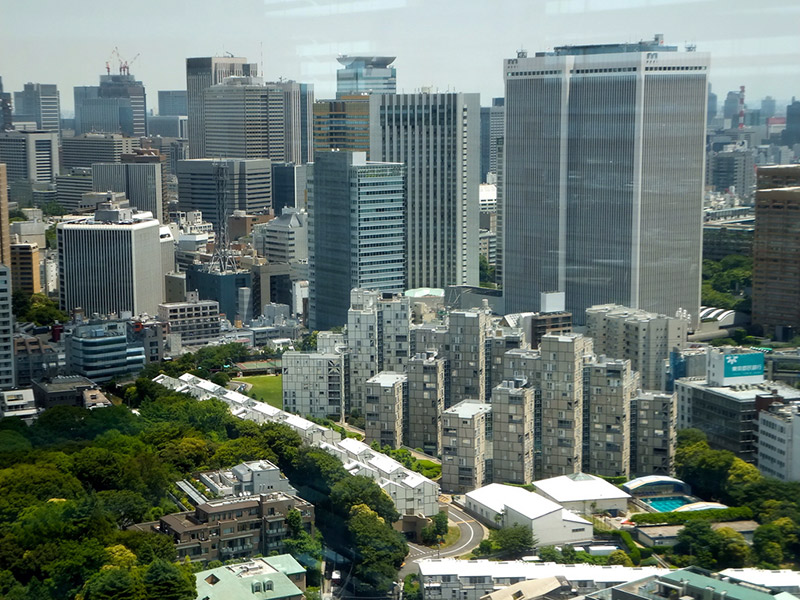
(351,491)
(514,541)
(619,557)
(687,437)
(379,550)
(734,552)
(126,506)
(166,581)
(699,540)
(440,523)
(113,584)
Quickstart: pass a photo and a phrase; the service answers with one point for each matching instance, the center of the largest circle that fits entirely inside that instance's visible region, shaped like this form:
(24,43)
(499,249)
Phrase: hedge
(717,515)
(633,550)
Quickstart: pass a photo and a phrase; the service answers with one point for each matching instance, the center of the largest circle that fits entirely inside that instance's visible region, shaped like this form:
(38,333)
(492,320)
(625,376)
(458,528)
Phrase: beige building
(611,385)
(383,411)
(426,389)
(644,338)
(464,446)
(197,321)
(512,433)
(25,268)
(653,433)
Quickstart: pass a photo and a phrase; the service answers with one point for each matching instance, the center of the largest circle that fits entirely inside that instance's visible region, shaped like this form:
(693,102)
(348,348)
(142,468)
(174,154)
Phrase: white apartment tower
(604,174)
(437,136)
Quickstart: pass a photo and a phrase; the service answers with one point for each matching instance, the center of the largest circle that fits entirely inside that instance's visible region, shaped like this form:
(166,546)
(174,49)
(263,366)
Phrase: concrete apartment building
(196,321)
(644,338)
(467,341)
(387,394)
(18,403)
(315,384)
(378,333)
(562,361)
(776,251)
(512,433)
(609,388)
(278,577)
(426,394)
(500,340)
(86,149)
(234,527)
(653,433)
(464,446)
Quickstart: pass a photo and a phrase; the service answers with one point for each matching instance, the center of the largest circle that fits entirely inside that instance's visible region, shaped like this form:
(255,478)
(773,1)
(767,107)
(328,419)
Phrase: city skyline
(302,40)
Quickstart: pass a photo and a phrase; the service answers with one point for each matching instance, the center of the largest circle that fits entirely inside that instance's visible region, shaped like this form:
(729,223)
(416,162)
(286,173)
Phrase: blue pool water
(667,504)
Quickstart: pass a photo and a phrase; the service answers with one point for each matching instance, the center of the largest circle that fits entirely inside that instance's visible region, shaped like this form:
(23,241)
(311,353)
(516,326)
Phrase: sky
(455,45)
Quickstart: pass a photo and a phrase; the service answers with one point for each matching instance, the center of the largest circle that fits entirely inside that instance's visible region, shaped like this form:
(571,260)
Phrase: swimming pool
(668,503)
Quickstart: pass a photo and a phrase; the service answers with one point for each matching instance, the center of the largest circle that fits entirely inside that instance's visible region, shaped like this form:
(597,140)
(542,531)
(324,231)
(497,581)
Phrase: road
(471,531)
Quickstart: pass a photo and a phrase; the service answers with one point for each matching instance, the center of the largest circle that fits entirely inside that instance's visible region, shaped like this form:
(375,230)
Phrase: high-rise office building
(246,118)
(604,164)
(140,182)
(88,148)
(342,124)
(5,234)
(172,103)
(110,263)
(218,187)
(288,186)
(7,370)
(357,232)
(437,136)
(768,107)
(366,74)
(30,155)
(791,135)
(732,170)
(497,125)
(6,118)
(776,251)
(202,73)
(71,186)
(117,105)
(306,122)
(40,103)
(25,268)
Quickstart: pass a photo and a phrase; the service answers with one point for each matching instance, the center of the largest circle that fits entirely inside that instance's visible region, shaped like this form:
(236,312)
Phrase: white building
(254,477)
(30,155)
(779,441)
(18,403)
(584,493)
(111,262)
(284,238)
(196,321)
(499,505)
(447,578)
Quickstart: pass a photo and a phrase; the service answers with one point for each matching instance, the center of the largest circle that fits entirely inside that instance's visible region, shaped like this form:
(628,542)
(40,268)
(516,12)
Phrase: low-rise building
(18,403)
(254,477)
(233,528)
(584,493)
(196,321)
(447,578)
(667,535)
(273,578)
(101,351)
(498,505)
(35,360)
(62,391)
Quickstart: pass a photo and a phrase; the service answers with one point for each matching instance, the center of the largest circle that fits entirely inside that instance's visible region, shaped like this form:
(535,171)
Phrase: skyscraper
(204,183)
(140,182)
(356,231)
(117,105)
(604,167)
(41,103)
(437,136)
(5,234)
(86,149)
(110,262)
(7,371)
(6,120)
(202,73)
(246,118)
(30,155)
(342,124)
(366,74)
(172,103)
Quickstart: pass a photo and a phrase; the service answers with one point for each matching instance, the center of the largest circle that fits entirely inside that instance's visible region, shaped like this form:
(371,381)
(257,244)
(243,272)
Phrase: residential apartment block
(387,394)
(464,446)
(512,433)
(426,394)
(314,384)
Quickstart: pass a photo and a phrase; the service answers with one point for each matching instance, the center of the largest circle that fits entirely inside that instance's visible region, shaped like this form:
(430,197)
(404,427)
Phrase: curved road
(471,531)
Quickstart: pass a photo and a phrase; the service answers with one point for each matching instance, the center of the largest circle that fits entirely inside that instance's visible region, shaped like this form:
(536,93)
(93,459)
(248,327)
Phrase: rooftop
(467,409)
(530,570)
(262,578)
(579,487)
(388,378)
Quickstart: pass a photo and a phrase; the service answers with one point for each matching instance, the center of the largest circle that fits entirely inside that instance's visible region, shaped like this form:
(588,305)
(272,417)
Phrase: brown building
(233,527)
(776,251)
(342,124)
(25,274)
(5,234)
(35,360)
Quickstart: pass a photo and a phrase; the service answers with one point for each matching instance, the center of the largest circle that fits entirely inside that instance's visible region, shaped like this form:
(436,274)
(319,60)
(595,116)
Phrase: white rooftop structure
(467,409)
(412,493)
(583,493)
(778,579)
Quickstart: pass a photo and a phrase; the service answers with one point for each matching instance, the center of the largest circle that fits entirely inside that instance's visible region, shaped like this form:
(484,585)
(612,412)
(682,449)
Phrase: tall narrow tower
(604,174)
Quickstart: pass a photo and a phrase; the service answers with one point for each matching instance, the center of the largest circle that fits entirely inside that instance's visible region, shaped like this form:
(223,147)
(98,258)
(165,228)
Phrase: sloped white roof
(530,570)
(635,484)
(579,487)
(354,446)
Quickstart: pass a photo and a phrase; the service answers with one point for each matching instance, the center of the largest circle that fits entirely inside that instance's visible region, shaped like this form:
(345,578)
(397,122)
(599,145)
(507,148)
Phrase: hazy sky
(448,44)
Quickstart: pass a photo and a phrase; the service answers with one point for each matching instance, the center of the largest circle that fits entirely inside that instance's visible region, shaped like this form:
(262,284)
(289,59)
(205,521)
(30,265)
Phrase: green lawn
(267,388)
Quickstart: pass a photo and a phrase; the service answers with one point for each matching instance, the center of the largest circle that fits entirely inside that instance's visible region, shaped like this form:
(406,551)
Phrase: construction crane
(124,68)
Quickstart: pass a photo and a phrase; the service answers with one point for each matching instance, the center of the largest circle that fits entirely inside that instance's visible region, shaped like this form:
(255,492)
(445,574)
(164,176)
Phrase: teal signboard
(744,365)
